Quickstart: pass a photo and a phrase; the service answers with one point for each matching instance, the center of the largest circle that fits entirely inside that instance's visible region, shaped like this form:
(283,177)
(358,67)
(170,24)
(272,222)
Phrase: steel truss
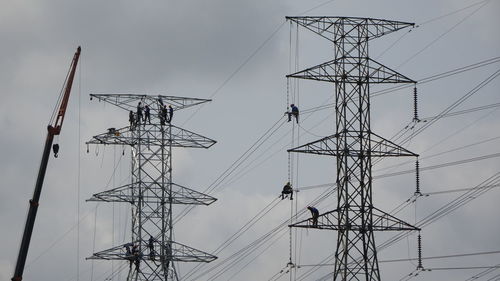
(353,144)
(151,192)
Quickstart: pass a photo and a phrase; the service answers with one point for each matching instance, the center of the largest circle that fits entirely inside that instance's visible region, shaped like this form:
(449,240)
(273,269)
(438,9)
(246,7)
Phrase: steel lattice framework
(353,144)
(152,192)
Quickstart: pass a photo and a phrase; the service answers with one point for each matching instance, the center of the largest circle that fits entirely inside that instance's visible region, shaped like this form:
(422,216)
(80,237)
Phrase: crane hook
(55,148)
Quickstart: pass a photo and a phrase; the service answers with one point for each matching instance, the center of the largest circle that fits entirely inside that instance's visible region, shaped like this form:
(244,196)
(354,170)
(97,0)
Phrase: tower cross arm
(377,73)
(380,147)
(129,101)
(153,136)
(381,221)
(330,27)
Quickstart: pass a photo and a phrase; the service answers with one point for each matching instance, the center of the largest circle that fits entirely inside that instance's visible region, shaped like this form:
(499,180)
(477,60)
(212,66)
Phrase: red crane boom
(53,129)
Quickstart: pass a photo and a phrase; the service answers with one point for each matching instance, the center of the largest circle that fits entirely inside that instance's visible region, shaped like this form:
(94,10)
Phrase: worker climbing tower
(354,144)
(151,253)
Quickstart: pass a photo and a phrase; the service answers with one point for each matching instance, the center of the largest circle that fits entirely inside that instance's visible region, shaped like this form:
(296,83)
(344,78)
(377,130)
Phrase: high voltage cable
(436,166)
(439,76)
(238,233)
(430,168)
(414,259)
(238,69)
(444,210)
(465,111)
(441,153)
(482,273)
(218,181)
(255,244)
(420,81)
(453,106)
(442,35)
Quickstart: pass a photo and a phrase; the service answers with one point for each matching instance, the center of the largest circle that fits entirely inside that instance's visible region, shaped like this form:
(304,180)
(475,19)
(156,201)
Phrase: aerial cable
(240,231)
(238,69)
(451,13)
(442,35)
(438,76)
(258,242)
(446,209)
(455,104)
(441,153)
(483,273)
(237,163)
(426,22)
(465,111)
(421,81)
(460,130)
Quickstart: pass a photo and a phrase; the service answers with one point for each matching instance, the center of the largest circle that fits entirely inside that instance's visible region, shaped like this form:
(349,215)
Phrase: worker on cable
(147,114)
(315,215)
(287,189)
(151,247)
(139,113)
(295,112)
(131,119)
(170,113)
(160,101)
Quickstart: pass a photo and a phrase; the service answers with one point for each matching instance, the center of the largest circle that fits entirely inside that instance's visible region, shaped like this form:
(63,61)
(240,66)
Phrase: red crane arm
(55,128)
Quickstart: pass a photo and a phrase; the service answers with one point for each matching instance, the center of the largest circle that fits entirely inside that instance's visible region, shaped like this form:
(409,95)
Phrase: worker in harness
(131,120)
(136,257)
(139,113)
(128,253)
(170,113)
(287,189)
(151,247)
(147,114)
(315,215)
(294,112)
(163,115)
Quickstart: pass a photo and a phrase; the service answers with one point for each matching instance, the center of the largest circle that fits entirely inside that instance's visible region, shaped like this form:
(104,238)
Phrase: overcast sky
(238,53)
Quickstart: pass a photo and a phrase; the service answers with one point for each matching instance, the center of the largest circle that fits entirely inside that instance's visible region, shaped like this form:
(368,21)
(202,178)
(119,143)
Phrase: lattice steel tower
(353,144)
(151,252)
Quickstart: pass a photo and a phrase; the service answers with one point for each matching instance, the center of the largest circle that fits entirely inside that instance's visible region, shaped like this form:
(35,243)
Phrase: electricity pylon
(353,144)
(151,252)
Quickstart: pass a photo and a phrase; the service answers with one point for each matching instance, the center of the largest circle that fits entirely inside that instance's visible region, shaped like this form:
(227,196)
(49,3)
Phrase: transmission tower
(353,144)
(151,253)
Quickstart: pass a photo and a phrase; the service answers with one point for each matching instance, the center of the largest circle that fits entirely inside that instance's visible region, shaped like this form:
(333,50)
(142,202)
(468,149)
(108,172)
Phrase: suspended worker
(139,113)
(294,112)
(315,215)
(147,114)
(151,247)
(131,119)
(287,189)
